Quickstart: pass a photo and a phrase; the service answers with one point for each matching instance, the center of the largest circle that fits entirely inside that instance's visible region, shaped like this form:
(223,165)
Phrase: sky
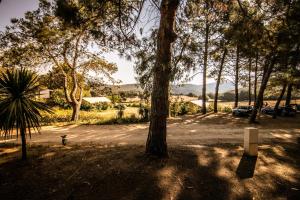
(16,9)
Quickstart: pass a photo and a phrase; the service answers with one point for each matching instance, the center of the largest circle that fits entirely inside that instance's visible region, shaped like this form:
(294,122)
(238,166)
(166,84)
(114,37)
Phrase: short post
(64,139)
(251,141)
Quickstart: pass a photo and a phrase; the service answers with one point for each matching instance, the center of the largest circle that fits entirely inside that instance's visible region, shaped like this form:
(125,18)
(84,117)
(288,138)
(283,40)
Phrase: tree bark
(249,81)
(289,94)
(279,100)
(219,81)
(156,142)
(205,66)
(236,81)
(255,77)
(23,138)
(169,102)
(75,112)
(258,103)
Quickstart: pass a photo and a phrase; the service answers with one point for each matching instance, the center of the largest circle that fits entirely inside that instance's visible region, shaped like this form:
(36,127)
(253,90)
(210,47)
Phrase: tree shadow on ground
(123,172)
(110,173)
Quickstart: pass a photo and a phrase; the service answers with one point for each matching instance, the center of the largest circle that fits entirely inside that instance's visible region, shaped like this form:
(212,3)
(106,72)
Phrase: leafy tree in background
(282,38)
(41,39)
(205,17)
(19,109)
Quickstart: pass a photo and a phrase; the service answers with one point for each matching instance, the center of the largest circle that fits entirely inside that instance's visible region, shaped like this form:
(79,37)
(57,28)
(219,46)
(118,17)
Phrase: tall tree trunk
(156,142)
(169,102)
(249,81)
(255,77)
(259,100)
(23,138)
(289,94)
(236,81)
(279,100)
(71,99)
(219,80)
(75,111)
(205,66)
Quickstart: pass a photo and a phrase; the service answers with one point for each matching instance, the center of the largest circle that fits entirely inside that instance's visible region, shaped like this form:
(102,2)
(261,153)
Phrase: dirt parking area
(187,130)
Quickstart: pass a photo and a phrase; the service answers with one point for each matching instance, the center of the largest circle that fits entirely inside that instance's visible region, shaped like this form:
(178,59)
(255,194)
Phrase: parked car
(271,110)
(281,111)
(288,111)
(242,110)
(296,106)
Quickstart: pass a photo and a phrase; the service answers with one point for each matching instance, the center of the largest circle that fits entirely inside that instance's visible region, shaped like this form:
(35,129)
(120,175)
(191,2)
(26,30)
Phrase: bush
(183,109)
(120,114)
(92,117)
(135,105)
(124,120)
(193,109)
(174,109)
(86,106)
(210,108)
(121,109)
(120,106)
(144,112)
(101,106)
(57,98)
(227,109)
(58,116)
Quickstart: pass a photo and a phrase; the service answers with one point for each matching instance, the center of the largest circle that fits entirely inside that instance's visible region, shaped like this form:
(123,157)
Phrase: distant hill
(197,89)
(127,88)
(182,89)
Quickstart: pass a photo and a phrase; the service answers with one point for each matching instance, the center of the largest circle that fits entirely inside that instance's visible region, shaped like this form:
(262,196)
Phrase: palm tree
(19,108)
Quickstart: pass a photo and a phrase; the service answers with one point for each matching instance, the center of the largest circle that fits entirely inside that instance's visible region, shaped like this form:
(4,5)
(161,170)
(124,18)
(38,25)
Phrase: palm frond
(19,107)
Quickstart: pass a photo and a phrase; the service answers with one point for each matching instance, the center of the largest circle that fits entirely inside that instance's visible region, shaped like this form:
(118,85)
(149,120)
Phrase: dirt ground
(205,161)
(123,172)
(194,129)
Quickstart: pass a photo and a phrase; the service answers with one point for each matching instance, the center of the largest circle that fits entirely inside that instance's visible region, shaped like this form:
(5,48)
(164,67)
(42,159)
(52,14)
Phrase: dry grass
(60,117)
(123,172)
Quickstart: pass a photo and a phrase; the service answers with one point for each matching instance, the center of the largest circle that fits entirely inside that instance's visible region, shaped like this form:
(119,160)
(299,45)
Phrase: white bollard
(251,141)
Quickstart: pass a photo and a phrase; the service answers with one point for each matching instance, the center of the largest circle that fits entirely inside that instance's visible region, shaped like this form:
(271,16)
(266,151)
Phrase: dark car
(242,110)
(288,111)
(296,106)
(281,111)
(271,110)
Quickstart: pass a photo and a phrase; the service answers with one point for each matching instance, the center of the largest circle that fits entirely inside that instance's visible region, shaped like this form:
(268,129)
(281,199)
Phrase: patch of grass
(92,117)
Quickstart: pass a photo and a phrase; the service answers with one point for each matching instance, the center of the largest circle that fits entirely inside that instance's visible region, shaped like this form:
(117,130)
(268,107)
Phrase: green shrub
(135,105)
(227,109)
(94,117)
(120,112)
(86,106)
(101,106)
(183,109)
(144,113)
(175,109)
(58,116)
(57,98)
(125,120)
(210,108)
(193,108)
